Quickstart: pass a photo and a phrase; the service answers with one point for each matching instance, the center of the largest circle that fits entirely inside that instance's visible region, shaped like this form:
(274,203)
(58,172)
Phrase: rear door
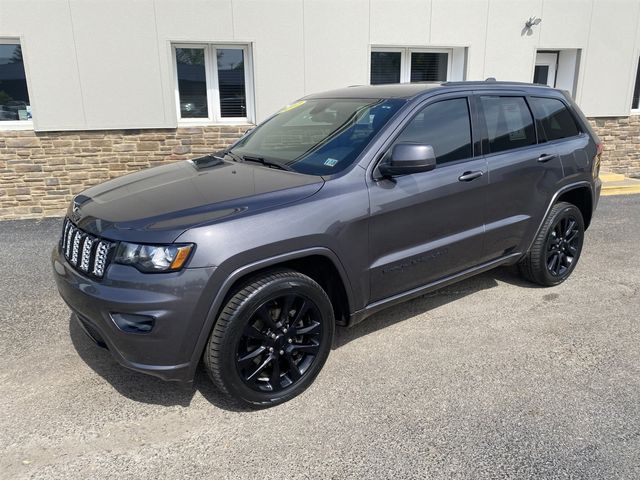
(429,225)
(523,173)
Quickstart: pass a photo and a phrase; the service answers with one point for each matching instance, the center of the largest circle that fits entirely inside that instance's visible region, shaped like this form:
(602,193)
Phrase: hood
(158,204)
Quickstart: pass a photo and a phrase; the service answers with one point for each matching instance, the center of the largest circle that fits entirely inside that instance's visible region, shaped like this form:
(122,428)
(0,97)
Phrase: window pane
(192,82)
(14,97)
(541,74)
(233,100)
(509,123)
(555,119)
(636,91)
(385,67)
(429,67)
(445,126)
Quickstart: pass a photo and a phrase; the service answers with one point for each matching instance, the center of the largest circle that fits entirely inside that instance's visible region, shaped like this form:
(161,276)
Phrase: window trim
(213,90)
(18,124)
(405,59)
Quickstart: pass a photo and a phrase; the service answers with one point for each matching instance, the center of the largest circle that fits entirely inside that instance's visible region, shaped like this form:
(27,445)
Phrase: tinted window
(445,126)
(14,98)
(509,123)
(385,67)
(555,119)
(428,67)
(233,101)
(192,82)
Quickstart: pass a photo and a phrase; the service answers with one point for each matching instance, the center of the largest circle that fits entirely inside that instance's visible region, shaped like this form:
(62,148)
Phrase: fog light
(130,323)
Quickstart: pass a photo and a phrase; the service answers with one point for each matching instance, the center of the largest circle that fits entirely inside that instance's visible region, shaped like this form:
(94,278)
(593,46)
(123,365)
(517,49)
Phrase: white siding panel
(609,60)
(117,52)
(462,23)
(510,52)
(50,60)
(396,23)
(336,38)
(276,30)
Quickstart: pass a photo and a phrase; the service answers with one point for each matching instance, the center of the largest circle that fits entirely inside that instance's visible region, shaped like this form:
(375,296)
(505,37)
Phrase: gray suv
(334,208)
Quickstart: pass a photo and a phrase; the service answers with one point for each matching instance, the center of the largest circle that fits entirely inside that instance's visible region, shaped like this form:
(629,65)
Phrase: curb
(618,184)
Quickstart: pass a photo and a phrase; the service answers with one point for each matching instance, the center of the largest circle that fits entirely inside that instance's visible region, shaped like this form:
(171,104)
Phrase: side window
(509,123)
(445,126)
(556,121)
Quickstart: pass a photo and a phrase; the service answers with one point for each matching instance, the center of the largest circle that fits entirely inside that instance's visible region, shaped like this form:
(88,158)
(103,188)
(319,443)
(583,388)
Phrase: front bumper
(176,301)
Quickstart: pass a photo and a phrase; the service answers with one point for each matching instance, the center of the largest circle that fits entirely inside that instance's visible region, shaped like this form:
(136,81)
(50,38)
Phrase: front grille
(83,251)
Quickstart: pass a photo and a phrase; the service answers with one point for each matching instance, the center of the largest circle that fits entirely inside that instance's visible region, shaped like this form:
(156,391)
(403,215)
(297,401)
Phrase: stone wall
(621,139)
(41,172)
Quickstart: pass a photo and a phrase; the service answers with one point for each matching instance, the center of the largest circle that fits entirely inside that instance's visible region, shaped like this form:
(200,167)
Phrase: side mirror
(407,158)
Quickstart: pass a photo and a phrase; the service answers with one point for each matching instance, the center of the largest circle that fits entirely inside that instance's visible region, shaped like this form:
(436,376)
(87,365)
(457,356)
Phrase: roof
(411,90)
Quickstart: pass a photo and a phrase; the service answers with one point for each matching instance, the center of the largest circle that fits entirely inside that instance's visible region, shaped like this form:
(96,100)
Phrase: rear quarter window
(554,118)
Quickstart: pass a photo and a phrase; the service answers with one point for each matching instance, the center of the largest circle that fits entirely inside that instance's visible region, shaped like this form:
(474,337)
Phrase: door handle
(468,176)
(545,158)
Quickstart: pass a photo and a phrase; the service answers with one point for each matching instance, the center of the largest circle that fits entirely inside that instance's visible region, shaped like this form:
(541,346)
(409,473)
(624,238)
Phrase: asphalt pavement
(488,378)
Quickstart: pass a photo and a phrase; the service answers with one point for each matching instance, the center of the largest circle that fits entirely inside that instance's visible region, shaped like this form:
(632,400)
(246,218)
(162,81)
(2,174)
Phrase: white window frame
(18,124)
(213,91)
(405,59)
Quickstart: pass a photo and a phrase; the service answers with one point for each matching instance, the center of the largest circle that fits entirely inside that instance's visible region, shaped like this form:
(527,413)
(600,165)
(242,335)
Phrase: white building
(85,65)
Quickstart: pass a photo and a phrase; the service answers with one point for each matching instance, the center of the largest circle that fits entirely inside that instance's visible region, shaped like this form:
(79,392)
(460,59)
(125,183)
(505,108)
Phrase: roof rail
(490,79)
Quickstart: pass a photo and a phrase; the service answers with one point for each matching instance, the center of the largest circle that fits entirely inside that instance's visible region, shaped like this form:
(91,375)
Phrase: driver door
(430,225)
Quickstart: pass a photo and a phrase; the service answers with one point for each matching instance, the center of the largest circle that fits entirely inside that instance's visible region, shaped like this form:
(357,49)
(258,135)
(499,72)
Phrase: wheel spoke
(286,308)
(304,308)
(313,329)
(311,348)
(260,368)
(571,236)
(274,378)
(252,332)
(571,225)
(250,357)
(264,314)
(294,371)
(553,262)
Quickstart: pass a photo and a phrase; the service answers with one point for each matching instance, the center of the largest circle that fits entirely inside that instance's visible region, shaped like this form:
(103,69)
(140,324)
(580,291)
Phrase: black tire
(255,322)
(555,252)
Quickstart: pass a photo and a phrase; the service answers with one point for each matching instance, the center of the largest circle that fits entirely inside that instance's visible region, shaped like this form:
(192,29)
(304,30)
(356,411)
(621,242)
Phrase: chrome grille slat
(84,251)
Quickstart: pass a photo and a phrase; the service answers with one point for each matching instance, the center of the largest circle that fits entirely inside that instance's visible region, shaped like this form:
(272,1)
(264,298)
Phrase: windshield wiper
(267,163)
(235,156)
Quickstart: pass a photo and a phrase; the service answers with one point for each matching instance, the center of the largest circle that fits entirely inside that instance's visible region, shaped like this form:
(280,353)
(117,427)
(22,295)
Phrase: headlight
(153,258)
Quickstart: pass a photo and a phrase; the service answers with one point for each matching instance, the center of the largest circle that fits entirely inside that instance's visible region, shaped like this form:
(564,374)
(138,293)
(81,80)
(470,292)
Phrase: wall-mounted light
(528,26)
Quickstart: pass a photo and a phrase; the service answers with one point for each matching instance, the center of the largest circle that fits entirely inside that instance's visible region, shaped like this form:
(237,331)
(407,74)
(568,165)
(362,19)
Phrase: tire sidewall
(239,319)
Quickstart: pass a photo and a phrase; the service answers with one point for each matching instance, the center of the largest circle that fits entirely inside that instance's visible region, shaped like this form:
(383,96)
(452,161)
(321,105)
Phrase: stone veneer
(621,139)
(41,172)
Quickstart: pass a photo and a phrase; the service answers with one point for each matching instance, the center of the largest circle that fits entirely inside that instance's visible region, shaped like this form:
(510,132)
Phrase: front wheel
(557,247)
(271,339)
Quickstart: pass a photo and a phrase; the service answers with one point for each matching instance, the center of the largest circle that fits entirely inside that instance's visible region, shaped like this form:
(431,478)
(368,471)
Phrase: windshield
(318,137)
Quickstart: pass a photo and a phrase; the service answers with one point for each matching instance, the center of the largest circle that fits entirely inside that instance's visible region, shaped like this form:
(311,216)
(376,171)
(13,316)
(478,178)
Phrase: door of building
(545,69)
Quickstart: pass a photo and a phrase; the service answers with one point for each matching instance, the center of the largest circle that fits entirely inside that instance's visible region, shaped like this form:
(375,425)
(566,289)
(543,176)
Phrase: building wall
(40,173)
(94,64)
(102,86)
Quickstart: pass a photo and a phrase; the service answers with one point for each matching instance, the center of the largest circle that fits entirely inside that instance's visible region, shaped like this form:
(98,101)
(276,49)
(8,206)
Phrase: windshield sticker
(292,106)
(331,162)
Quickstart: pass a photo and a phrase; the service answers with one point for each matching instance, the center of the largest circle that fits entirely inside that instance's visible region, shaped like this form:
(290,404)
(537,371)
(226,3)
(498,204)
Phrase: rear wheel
(271,339)
(557,247)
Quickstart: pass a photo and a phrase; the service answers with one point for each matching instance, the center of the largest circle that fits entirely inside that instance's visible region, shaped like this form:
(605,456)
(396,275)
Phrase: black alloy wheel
(563,242)
(271,338)
(556,249)
(279,343)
